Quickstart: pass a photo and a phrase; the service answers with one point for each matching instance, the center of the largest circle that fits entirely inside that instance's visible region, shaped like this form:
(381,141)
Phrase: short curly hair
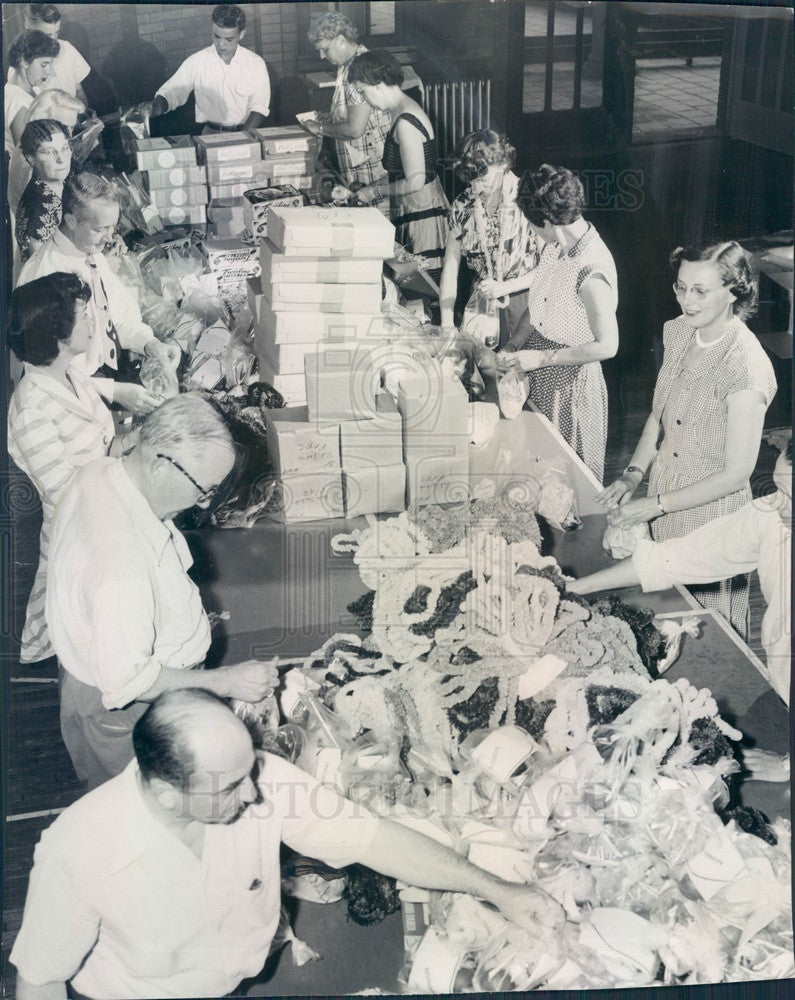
(734,267)
(43,314)
(551,194)
(32,45)
(44,13)
(331,24)
(374,67)
(479,150)
(39,131)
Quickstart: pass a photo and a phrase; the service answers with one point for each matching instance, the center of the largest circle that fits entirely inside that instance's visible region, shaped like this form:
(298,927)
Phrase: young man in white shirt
(165,881)
(69,68)
(231,83)
(758,536)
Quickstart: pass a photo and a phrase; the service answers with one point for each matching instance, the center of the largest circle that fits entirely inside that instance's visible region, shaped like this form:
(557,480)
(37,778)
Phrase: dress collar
(578,247)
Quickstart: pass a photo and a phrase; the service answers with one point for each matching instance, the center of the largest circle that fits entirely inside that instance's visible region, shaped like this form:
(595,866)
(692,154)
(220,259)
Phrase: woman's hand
(507,360)
(134,398)
(530,361)
(620,491)
(634,512)
(368,194)
(492,289)
(167,354)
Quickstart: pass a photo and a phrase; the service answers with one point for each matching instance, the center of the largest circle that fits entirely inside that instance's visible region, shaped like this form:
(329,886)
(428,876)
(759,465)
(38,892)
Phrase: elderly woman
(57,422)
(419,206)
(45,145)
(713,389)
(571,325)
(357,129)
(488,229)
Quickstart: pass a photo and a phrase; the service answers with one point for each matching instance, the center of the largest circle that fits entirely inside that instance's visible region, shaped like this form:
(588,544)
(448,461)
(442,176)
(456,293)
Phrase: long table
(286,592)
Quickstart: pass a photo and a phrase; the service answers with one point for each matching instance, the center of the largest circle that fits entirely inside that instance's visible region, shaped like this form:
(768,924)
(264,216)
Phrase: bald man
(125,619)
(165,881)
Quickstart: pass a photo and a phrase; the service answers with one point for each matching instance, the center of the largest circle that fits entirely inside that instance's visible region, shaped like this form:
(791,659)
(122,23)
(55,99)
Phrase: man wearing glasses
(165,881)
(125,619)
(90,217)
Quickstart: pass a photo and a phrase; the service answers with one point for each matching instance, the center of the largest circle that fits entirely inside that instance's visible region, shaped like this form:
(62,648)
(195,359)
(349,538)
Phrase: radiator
(456,109)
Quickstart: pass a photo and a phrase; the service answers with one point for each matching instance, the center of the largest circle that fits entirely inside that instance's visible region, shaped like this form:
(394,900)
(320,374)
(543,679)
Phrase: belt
(223,128)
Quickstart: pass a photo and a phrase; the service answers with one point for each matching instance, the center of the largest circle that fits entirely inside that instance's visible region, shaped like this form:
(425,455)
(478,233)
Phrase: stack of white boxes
(434,408)
(289,156)
(320,284)
(175,182)
(234,164)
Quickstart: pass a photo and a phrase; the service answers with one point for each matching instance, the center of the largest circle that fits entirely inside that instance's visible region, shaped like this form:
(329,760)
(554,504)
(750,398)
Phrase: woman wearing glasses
(713,389)
(57,421)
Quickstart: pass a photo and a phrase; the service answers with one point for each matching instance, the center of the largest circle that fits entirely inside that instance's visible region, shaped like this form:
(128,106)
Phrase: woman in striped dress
(571,323)
(713,389)
(57,421)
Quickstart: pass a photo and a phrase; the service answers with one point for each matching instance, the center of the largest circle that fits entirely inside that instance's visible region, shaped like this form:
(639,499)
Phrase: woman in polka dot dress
(571,323)
(715,384)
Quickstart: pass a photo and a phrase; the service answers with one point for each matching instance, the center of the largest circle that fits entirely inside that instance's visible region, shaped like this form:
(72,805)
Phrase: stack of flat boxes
(175,181)
(433,405)
(234,165)
(289,155)
(320,285)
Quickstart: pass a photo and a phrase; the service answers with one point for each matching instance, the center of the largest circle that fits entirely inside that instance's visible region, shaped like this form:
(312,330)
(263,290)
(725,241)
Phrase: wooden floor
(38,774)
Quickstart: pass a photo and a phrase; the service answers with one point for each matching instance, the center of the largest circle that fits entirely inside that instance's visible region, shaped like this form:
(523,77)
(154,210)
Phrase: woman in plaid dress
(571,324)
(713,390)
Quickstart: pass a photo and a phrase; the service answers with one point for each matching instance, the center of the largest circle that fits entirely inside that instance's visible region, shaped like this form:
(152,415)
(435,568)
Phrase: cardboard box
(223,254)
(341,383)
(277,167)
(191,194)
(301,182)
(313,496)
(285,359)
(278,267)
(226,214)
(320,232)
(234,190)
(166,152)
(284,139)
(250,171)
(174,177)
(437,479)
(256,202)
(297,445)
(227,147)
(291,387)
(295,327)
(365,441)
(435,423)
(374,489)
(326,298)
(184,215)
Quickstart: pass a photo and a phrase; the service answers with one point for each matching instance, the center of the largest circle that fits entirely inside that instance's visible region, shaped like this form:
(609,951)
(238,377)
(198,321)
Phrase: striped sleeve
(36,445)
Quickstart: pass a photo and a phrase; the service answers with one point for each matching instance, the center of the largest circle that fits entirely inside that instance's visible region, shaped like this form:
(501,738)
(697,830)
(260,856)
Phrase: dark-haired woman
(57,421)
(45,145)
(715,384)
(418,204)
(571,325)
(488,229)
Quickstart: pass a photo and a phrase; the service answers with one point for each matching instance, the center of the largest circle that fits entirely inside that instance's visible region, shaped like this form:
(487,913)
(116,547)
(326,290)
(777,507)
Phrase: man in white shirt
(90,217)
(69,68)
(125,619)
(758,536)
(165,881)
(231,83)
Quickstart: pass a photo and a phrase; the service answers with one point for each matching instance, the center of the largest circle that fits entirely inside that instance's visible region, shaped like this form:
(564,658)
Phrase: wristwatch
(632,468)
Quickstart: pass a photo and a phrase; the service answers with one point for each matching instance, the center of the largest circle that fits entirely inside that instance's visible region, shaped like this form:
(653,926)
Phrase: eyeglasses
(204,494)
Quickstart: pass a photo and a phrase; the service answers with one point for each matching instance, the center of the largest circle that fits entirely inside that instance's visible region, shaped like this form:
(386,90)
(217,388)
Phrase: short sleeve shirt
(111,883)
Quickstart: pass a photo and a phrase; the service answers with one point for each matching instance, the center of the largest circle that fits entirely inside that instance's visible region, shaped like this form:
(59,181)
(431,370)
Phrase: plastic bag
(300,951)
(512,392)
(372,773)
(481,319)
(621,542)
(556,500)
(85,138)
(514,960)
(261,717)
(159,378)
